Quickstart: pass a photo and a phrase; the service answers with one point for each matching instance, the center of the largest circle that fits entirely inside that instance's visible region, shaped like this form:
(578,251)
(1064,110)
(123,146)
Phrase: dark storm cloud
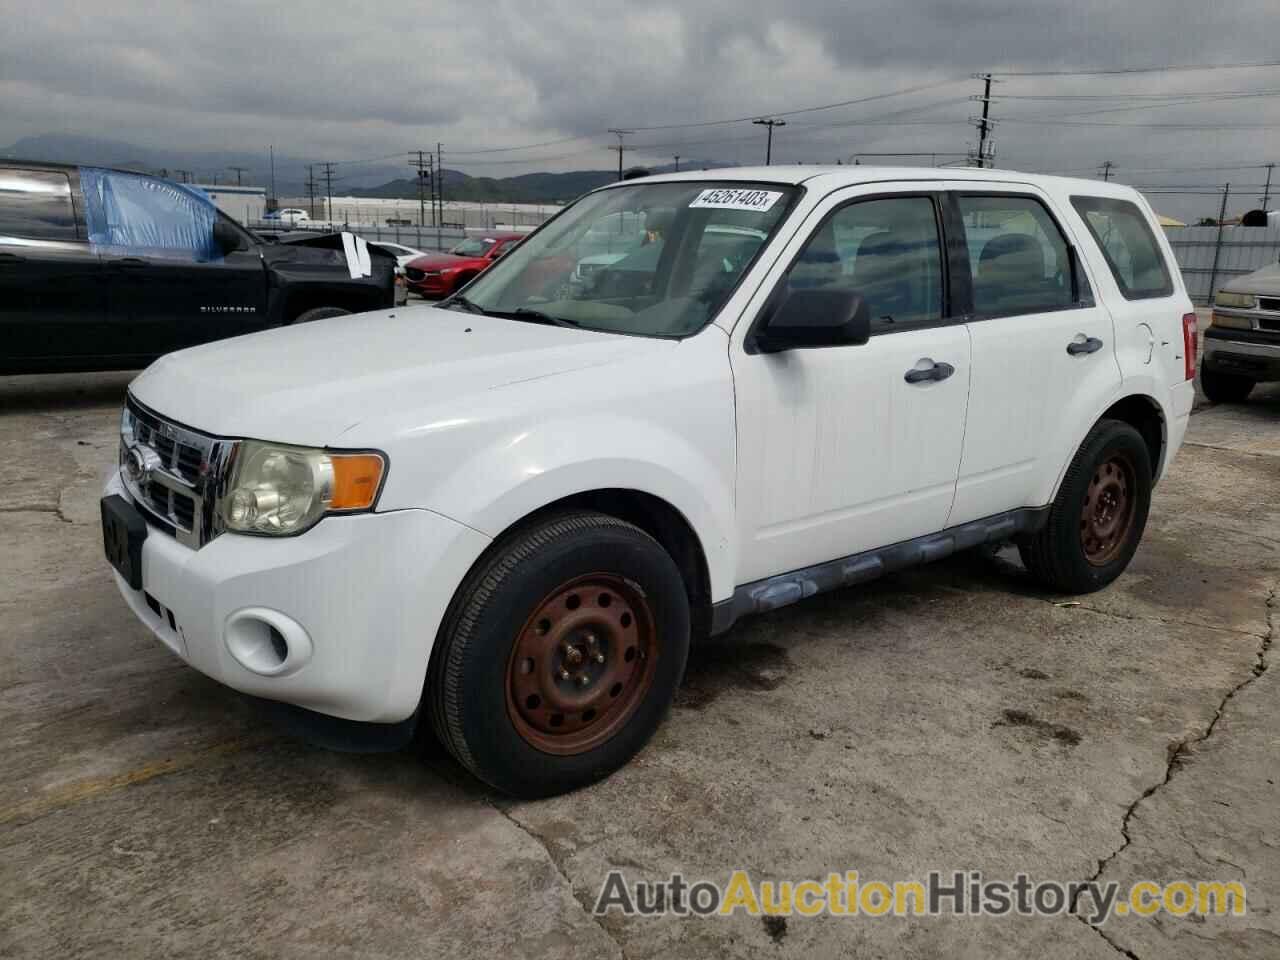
(340,79)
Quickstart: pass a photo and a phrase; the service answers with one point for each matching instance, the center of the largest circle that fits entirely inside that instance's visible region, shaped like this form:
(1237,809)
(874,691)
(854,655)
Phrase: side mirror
(227,237)
(816,318)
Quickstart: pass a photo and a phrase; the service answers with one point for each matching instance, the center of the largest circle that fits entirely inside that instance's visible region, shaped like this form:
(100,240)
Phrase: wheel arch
(1139,409)
(1144,414)
(654,515)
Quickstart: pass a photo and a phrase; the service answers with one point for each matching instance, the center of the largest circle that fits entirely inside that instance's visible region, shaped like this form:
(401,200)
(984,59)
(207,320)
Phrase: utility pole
(1106,170)
(1266,191)
(1217,246)
(437,180)
(769,122)
(621,147)
(184,174)
(328,188)
(986,146)
(676,158)
(271,148)
(422,165)
(311,190)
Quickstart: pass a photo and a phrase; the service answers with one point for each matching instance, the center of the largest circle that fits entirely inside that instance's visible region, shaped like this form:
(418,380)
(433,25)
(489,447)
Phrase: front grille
(178,489)
(413,273)
(1269,303)
(1269,323)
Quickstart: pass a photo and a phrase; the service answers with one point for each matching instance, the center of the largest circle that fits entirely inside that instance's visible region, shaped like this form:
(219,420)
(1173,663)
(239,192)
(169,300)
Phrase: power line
(1167,68)
(791,113)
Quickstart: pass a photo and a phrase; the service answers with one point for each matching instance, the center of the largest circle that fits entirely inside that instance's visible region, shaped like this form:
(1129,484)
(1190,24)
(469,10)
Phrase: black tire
(475,709)
(320,313)
(1059,555)
(1224,387)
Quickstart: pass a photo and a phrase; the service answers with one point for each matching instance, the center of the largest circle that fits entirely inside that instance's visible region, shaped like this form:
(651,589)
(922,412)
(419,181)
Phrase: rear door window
(36,205)
(1018,256)
(1128,245)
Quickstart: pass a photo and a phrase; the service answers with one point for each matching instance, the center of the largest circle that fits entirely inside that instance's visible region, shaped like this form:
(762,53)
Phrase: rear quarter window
(1124,236)
(36,205)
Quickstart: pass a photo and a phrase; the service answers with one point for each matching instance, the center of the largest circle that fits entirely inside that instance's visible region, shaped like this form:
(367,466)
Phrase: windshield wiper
(464,303)
(537,316)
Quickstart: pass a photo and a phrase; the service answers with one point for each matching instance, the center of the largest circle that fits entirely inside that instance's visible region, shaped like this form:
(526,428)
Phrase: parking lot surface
(952,717)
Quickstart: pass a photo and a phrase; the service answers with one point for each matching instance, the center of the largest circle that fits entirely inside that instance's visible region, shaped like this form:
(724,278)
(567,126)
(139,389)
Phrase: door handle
(129,263)
(1087,345)
(939,371)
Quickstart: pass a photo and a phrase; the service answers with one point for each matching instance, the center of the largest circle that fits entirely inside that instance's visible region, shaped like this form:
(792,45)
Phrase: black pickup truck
(108,269)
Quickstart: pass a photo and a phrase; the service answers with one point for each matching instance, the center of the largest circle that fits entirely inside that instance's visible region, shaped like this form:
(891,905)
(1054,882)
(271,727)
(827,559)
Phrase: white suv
(506,516)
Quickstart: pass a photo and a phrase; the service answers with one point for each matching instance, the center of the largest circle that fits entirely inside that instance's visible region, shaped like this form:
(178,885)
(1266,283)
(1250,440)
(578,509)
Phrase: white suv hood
(311,383)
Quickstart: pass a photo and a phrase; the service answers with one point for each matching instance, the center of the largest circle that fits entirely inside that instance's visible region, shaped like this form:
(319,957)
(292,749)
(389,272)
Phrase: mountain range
(378,178)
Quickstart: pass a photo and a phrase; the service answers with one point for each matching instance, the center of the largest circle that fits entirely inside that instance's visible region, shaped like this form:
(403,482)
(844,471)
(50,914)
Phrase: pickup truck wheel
(560,655)
(1098,517)
(320,313)
(1224,387)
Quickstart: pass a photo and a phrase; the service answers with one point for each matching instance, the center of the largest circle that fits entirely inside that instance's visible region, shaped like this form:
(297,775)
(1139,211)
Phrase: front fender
(510,479)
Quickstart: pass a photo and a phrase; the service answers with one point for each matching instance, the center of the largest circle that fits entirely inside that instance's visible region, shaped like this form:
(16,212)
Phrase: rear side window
(1127,243)
(36,205)
(1017,254)
(885,250)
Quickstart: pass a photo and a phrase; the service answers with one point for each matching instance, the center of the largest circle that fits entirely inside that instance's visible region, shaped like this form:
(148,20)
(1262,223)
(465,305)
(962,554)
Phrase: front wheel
(560,654)
(1097,519)
(1224,387)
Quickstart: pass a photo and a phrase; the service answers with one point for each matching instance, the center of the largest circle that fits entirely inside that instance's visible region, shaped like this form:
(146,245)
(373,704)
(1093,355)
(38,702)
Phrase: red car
(437,275)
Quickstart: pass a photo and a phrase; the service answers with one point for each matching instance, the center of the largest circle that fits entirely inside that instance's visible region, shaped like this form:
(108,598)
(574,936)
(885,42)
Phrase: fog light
(267,642)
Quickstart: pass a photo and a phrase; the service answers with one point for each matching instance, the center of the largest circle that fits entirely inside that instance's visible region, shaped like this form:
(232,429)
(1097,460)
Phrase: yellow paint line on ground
(81,790)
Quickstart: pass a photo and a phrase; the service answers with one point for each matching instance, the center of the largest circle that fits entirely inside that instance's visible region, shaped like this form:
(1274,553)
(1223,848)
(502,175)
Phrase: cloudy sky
(350,81)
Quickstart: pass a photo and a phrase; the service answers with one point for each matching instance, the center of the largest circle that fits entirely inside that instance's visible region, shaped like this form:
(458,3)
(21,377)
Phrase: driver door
(838,452)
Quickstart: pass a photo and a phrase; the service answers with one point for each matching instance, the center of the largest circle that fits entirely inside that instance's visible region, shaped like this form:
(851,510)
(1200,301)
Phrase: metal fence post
(1217,246)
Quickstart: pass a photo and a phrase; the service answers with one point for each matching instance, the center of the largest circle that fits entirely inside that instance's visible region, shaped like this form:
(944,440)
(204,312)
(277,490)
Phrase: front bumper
(1243,352)
(431,287)
(358,599)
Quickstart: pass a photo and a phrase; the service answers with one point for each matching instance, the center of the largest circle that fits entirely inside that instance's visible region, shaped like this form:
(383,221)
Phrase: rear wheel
(560,654)
(1096,521)
(1224,387)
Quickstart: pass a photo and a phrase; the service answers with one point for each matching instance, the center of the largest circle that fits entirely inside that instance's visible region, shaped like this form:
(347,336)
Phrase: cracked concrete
(964,720)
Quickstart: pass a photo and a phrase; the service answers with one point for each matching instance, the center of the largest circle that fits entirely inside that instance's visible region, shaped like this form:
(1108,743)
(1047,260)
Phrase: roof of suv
(831,177)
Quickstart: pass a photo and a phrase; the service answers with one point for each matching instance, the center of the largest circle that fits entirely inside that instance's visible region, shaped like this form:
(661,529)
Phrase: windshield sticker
(730,199)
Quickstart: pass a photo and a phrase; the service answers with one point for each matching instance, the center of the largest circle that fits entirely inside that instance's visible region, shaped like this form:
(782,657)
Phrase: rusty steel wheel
(582,663)
(1096,519)
(1108,511)
(560,654)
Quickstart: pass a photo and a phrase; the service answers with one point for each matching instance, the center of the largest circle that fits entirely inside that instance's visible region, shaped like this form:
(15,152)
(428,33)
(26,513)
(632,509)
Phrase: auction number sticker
(735,199)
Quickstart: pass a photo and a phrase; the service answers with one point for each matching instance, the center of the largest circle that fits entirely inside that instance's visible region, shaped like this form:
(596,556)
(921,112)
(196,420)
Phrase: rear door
(1044,353)
(51,296)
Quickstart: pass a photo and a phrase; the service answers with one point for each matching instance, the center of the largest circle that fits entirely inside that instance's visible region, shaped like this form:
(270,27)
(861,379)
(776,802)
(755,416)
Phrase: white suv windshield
(655,259)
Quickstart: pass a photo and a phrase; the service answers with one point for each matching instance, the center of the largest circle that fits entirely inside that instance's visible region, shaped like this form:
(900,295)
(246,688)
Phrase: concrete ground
(953,717)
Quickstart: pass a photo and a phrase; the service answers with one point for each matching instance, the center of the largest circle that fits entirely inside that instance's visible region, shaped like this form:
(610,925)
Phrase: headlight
(279,491)
(1232,323)
(1245,301)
